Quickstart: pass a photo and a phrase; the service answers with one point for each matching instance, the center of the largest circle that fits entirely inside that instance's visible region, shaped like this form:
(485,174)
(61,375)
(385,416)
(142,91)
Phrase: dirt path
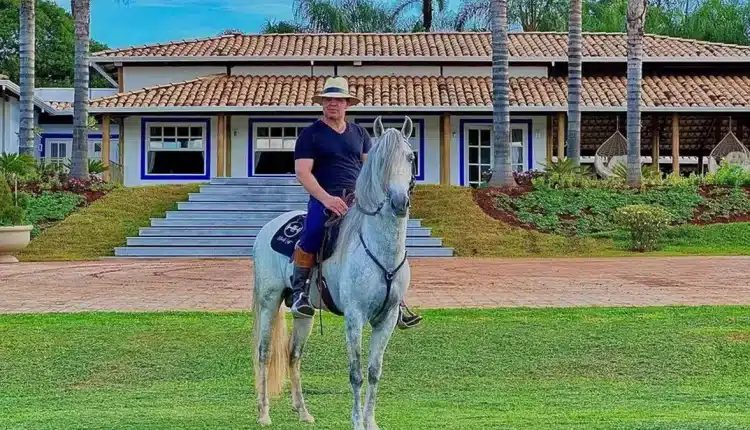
(149,285)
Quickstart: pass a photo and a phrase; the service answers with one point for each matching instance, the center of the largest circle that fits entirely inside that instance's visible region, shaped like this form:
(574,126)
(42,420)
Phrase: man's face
(335,108)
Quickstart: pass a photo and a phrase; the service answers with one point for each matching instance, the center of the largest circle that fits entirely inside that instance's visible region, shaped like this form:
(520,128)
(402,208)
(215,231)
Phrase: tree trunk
(502,174)
(636,18)
(79,162)
(574,82)
(27,40)
(427,14)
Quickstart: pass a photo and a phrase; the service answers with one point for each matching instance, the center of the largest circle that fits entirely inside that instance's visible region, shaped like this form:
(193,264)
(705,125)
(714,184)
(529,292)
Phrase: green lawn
(94,231)
(592,368)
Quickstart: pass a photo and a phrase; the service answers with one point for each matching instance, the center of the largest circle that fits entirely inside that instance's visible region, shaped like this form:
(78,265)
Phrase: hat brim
(318,98)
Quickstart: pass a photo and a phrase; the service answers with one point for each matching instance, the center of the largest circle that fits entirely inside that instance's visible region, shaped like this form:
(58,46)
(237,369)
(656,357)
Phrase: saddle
(286,238)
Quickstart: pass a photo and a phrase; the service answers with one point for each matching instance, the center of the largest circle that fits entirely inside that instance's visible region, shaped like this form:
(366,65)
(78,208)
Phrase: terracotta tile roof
(730,91)
(60,105)
(548,45)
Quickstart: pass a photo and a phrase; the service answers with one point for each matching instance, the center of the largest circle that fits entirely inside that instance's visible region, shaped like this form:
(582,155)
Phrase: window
(175,149)
(481,151)
(413,141)
(274,149)
(59,152)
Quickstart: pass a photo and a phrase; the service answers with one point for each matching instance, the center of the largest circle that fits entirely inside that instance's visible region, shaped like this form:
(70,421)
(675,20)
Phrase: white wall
(318,70)
(10,120)
(140,77)
(513,71)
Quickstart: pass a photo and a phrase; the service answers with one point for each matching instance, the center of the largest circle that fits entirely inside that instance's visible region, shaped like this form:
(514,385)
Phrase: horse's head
(393,157)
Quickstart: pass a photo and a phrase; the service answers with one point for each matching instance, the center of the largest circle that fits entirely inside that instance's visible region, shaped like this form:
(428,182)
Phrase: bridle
(388,275)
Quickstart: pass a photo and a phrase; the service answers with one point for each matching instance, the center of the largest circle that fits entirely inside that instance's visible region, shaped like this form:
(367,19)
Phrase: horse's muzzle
(400,204)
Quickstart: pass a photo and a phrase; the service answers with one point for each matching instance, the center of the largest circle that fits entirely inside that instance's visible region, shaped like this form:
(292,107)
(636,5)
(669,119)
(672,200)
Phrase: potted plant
(14,235)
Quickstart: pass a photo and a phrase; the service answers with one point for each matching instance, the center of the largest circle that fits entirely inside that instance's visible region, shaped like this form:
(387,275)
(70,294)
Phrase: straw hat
(336,88)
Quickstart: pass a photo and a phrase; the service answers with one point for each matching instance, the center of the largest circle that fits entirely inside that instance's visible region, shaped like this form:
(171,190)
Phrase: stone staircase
(223,219)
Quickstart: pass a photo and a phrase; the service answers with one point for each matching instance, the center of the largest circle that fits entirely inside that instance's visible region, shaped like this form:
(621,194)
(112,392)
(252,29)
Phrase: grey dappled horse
(371,247)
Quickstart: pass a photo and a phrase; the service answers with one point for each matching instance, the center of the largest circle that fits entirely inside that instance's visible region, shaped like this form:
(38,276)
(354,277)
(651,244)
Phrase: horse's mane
(370,189)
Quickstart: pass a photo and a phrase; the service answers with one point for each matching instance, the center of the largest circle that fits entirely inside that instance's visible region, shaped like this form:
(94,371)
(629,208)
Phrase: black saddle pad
(287,236)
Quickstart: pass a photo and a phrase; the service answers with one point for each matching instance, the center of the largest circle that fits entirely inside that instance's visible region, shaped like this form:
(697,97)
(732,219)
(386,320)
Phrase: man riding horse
(328,157)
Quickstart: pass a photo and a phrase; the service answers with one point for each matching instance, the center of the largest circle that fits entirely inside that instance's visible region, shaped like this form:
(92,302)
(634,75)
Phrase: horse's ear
(377,127)
(408,128)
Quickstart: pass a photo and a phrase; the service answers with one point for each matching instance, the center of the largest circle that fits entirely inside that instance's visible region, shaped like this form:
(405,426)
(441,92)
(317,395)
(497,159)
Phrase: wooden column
(655,129)
(445,149)
(121,153)
(228,147)
(550,139)
(105,146)
(221,136)
(676,143)
(120,80)
(560,136)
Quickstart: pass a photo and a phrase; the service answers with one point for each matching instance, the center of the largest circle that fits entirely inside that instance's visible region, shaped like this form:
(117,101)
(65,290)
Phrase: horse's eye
(410,157)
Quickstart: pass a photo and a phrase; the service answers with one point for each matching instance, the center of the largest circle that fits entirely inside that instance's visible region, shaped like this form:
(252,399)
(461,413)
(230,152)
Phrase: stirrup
(303,310)
(407,318)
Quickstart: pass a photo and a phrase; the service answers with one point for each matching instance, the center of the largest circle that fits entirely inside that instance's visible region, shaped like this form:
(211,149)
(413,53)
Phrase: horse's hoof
(372,426)
(305,417)
(264,421)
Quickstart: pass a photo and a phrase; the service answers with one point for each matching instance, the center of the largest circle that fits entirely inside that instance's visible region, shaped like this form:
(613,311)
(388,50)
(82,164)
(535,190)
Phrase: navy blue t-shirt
(336,157)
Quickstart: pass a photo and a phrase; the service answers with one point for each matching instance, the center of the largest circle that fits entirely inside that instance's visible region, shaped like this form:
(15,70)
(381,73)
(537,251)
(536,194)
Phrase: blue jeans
(311,238)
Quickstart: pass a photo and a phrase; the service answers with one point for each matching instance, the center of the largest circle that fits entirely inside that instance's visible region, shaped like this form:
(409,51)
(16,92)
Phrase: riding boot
(407,318)
(303,263)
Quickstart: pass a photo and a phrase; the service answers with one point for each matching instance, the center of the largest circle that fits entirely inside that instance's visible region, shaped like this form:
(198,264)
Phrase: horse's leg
(381,334)
(354,325)
(300,334)
(269,334)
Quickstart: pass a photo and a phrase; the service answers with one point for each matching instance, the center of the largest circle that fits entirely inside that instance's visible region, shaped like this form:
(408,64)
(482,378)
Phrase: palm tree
(574,82)
(27,38)
(531,15)
(81,18)
(345,16)
(502,174)
(636,19)
(427,10)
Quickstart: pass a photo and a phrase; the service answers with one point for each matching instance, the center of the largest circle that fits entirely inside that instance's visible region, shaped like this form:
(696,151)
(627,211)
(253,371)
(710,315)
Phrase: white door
(481,152)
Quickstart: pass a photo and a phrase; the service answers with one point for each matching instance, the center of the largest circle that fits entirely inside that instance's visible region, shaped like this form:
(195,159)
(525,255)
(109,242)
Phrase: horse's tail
(278,352)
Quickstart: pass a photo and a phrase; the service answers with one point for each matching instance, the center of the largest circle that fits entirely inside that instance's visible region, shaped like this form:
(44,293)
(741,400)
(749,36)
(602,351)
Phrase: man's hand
(335,205)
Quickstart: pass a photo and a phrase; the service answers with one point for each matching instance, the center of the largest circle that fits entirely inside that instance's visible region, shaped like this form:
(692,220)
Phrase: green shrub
(583,211)
(565,174)
(48,208)
(729,175)
(645,223)
(10,214)
(725,202)
(17,166)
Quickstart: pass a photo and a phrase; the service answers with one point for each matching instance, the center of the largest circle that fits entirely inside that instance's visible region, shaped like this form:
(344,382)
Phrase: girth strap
(388,275)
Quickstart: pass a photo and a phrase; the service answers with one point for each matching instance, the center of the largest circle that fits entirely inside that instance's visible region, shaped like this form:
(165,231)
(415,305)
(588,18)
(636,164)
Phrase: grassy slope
(714,239)
(96,230)
(653,368)
(453,215)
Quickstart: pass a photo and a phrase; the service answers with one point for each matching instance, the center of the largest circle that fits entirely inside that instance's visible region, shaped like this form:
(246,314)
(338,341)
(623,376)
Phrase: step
(245,251)
(257,180)
(249,197)
(251,207)
(242,241)
(224,215)
(190,222)
(255,189)
(236,232)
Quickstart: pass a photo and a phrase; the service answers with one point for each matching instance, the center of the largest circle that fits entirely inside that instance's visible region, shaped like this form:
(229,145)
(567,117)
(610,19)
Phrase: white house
(232,105)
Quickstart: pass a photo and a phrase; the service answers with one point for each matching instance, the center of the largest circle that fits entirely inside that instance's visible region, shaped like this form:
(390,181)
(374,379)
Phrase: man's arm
(303,168)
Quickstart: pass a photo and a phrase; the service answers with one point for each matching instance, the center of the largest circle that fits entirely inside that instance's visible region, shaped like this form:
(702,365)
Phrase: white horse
(367,276)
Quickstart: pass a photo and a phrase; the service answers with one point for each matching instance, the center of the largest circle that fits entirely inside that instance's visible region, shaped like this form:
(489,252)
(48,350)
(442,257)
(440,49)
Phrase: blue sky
(120,23)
